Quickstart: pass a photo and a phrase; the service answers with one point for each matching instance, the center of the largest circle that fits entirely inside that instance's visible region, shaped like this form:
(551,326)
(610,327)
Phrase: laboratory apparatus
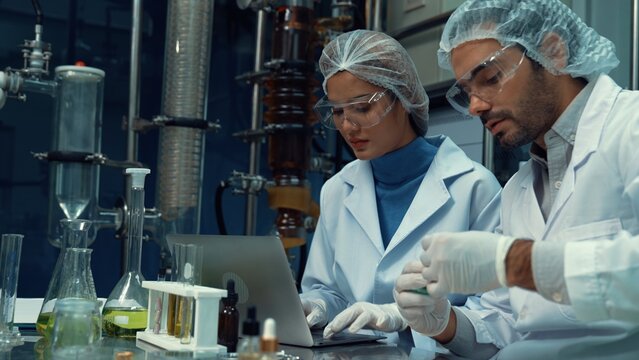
(75,331)
(188,260)
(77,128)
(205,317)
(229,320)
(10,250)
(249,346)
(189,27)
(76,282)
(125,311)
(289,78)
(74,235)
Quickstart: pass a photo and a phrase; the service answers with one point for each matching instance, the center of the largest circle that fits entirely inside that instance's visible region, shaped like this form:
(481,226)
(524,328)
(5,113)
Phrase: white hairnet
(380,60)
(580,51)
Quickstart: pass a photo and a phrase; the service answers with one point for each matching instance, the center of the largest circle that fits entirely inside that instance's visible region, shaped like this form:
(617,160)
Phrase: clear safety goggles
(363,111)
(487,79)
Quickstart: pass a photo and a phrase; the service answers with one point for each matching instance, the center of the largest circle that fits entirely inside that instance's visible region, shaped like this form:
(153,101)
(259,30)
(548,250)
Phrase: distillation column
(289,114)
(184,100)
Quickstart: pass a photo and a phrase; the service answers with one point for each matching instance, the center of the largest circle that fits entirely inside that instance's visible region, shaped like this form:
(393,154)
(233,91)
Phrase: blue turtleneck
(398,175)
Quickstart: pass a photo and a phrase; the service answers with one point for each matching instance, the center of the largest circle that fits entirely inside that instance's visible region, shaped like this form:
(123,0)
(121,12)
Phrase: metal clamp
(83,157)
(243,183)
(253,135)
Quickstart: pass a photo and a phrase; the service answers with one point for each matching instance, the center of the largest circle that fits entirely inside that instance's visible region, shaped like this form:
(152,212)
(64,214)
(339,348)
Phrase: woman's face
(393,131)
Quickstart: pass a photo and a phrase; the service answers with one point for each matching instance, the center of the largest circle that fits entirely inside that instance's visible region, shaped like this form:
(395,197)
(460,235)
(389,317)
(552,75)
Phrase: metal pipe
(134,82)
(377,16)
(256,123)
(488,155)
(634,48)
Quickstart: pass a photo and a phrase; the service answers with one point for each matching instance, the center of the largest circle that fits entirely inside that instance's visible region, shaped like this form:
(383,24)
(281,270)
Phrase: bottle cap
(231,295)
(137,176)
(251,326)
(269,329)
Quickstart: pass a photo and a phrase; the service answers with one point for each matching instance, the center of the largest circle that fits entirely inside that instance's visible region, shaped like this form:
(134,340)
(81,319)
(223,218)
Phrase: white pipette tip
(137,176)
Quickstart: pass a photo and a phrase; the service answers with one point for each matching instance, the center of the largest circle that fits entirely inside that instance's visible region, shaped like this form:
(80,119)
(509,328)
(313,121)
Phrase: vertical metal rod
(256,123)
(488,156)
(134,105)
(134,82)
(377,16)
(634,48)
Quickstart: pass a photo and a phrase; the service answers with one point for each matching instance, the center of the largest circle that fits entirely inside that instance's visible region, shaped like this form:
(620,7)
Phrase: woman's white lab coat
(347,260)
(598,197)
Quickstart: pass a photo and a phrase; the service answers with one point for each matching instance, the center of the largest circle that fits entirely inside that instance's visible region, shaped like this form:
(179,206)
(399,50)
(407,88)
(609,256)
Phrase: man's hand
(384,317)
(426,314)
(466,262)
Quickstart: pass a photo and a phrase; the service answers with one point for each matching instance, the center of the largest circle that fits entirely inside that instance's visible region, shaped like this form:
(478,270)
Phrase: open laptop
(263,278)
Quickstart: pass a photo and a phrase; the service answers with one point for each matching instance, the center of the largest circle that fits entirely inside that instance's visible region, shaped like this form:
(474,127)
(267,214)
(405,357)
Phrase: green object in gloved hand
(422,290)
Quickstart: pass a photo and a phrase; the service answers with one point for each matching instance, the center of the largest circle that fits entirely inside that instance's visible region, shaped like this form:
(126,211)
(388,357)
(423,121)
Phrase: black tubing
(219,214)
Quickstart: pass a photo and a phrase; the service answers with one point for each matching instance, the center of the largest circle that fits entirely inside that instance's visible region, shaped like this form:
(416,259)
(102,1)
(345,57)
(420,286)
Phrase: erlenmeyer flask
(125,312)
(76,283)
(74,235)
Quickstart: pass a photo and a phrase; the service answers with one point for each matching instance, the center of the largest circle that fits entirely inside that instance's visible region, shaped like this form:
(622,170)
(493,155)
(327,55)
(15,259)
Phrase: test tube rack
(206,313)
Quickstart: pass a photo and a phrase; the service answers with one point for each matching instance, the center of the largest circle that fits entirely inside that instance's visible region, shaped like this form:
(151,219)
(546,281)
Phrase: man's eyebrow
(477,69)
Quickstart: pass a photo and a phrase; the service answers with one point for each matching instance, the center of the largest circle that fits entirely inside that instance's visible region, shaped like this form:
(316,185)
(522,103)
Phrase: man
(564,277)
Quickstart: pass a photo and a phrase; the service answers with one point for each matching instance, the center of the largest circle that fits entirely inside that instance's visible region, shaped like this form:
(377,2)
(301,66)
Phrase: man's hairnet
(578,50)
(380,60)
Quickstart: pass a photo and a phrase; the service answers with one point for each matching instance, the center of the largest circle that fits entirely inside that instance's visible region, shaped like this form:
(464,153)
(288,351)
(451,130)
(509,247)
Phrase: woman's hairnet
(380,60)
(578,50)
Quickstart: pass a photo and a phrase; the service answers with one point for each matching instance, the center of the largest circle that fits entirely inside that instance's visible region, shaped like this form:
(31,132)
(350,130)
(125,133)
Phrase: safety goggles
(487,79)
(363,111)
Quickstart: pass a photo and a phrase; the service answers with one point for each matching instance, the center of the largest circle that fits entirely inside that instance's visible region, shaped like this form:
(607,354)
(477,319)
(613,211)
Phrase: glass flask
(10,251)
(125,312)
(74,235)
(75,331)
(76,283)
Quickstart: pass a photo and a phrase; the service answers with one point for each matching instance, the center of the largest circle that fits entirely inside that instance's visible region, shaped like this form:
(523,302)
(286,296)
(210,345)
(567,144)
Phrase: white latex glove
(315,311)
(466,263)
(424,313)
(383,317)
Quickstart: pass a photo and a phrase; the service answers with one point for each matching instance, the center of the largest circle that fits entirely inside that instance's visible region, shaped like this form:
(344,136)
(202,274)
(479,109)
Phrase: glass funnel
(77,132)
(74,235)
(125,312)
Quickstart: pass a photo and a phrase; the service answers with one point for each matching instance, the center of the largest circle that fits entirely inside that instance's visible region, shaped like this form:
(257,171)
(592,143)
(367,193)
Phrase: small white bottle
(268,342)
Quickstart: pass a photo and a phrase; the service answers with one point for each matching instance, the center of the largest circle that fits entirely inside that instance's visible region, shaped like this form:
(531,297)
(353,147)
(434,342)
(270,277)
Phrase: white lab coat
(598,197)
(347,260)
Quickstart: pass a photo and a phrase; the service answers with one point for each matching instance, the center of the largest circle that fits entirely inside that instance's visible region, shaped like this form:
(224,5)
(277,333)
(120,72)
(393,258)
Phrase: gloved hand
(315,311)
(424,313)
(383,317)
(466,262)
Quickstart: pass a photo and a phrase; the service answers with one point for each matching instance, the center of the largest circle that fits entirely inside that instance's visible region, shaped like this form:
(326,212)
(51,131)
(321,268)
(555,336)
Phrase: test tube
(9,268)
(173,303)
(190,275)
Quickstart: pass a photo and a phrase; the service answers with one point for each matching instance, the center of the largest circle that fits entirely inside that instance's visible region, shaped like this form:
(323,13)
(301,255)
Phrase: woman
(402,186)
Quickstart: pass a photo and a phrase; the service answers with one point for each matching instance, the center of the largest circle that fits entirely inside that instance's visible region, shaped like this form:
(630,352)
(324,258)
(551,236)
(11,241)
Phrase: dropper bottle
(268,342)
(229,322)
(249,347)
(125,312)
